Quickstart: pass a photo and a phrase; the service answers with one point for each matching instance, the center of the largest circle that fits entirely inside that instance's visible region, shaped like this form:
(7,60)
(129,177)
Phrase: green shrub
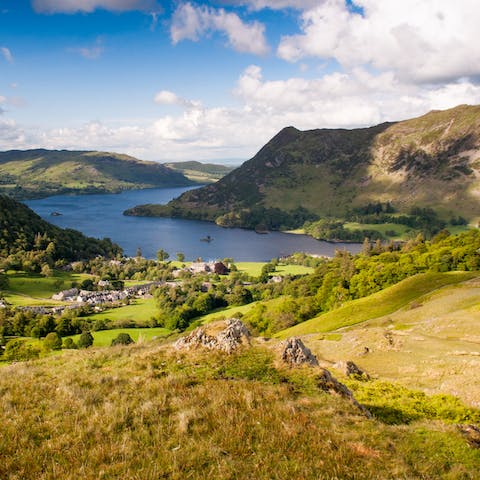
(18,350)
(69,344)
(122,339)
(52,341)
(85,340)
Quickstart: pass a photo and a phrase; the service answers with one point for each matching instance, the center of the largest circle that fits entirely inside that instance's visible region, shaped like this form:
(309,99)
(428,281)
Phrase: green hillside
(36,173)
(429,162)
(423,333)
(382,303)
(200,172)
(29,239)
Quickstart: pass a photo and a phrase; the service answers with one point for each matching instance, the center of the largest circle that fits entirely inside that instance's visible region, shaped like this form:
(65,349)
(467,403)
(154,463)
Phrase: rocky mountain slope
(36,173)
(432,161)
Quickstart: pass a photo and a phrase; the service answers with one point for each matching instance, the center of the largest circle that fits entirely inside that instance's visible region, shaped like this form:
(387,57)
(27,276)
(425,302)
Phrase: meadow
(147,411)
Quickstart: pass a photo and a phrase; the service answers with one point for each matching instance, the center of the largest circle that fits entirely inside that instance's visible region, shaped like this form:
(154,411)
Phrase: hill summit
(429,162)
(39,173)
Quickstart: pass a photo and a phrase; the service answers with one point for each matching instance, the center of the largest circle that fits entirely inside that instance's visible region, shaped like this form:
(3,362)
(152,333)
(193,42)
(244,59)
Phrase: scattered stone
(350,369)
(296,353)
(197,338)
(472,434)
(229,339)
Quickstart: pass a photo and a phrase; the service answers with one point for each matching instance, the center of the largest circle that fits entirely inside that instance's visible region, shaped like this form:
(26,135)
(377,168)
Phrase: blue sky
(182,80)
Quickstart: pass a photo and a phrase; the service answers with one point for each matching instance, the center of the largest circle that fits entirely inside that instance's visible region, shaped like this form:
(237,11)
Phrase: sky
(175,80)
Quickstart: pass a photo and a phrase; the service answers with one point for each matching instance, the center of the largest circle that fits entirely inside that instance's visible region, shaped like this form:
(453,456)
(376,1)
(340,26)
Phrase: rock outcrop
(351,369)
(472,434)
(296,353)
(227,340)
(328,383)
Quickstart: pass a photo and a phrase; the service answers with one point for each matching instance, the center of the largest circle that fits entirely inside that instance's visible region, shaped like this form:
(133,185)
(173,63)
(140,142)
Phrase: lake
(101,216)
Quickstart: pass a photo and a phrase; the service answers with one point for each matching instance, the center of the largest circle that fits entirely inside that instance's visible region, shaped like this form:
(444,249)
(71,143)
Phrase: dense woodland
(27,242)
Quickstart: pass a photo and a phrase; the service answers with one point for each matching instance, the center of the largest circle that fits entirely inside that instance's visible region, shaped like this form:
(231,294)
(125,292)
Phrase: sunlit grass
(378,304)
(148,412)
(103,338)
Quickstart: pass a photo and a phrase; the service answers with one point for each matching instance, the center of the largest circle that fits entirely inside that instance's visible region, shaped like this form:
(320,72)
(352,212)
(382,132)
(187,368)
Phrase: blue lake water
(101,216)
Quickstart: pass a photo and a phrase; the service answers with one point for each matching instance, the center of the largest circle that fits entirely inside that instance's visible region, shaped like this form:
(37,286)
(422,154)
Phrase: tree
(46,270)
(180,257)
(85,340)
(122,339)
(162,255)
(52,341)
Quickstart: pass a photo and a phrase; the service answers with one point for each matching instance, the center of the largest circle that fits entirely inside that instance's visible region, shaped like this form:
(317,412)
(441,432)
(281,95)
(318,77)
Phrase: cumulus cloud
(90,53)
(88,6)
(166,97)
(192,22)
(428,41)
(336,100)
(275,4)
(7,54)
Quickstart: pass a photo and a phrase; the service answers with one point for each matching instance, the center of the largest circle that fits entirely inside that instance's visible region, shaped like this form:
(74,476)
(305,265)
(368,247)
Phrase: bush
(52,341)
(122,339)
(69,344)
(85,340)
(18,350)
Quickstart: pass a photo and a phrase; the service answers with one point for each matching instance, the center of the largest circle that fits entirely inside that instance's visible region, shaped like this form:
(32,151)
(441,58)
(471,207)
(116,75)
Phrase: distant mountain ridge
(37,173)
(200,172)
(430,162)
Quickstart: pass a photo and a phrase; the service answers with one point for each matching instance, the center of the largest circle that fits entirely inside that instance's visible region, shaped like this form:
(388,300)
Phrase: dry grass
(148,412)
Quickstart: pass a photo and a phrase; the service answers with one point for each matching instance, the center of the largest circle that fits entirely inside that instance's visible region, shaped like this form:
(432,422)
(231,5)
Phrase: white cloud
(88,6)
(166,97)
(7,54)
(191,22)
(276,4)
(427,41)
(90,53)
(336,100)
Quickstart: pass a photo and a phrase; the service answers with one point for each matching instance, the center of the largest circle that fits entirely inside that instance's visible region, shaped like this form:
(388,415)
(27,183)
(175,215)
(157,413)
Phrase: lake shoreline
(101,215)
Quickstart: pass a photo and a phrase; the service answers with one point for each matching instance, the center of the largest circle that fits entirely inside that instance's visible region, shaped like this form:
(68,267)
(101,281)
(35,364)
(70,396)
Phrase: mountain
(37,173)
(200,172)
(22,230)
(430,162)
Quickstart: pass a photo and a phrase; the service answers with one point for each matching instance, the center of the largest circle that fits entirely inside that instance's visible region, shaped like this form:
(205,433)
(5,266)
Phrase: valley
(370,348)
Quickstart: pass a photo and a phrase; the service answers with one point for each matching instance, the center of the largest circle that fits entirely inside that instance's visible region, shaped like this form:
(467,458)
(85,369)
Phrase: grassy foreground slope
(149,412)
(37,173)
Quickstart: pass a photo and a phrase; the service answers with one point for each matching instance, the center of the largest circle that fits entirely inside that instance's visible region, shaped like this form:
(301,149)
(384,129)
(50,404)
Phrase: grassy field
(379,304)
(140,310)
(33,289)
(401,231)
(147,412)
(254,269)
(103,338)
(228,312)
